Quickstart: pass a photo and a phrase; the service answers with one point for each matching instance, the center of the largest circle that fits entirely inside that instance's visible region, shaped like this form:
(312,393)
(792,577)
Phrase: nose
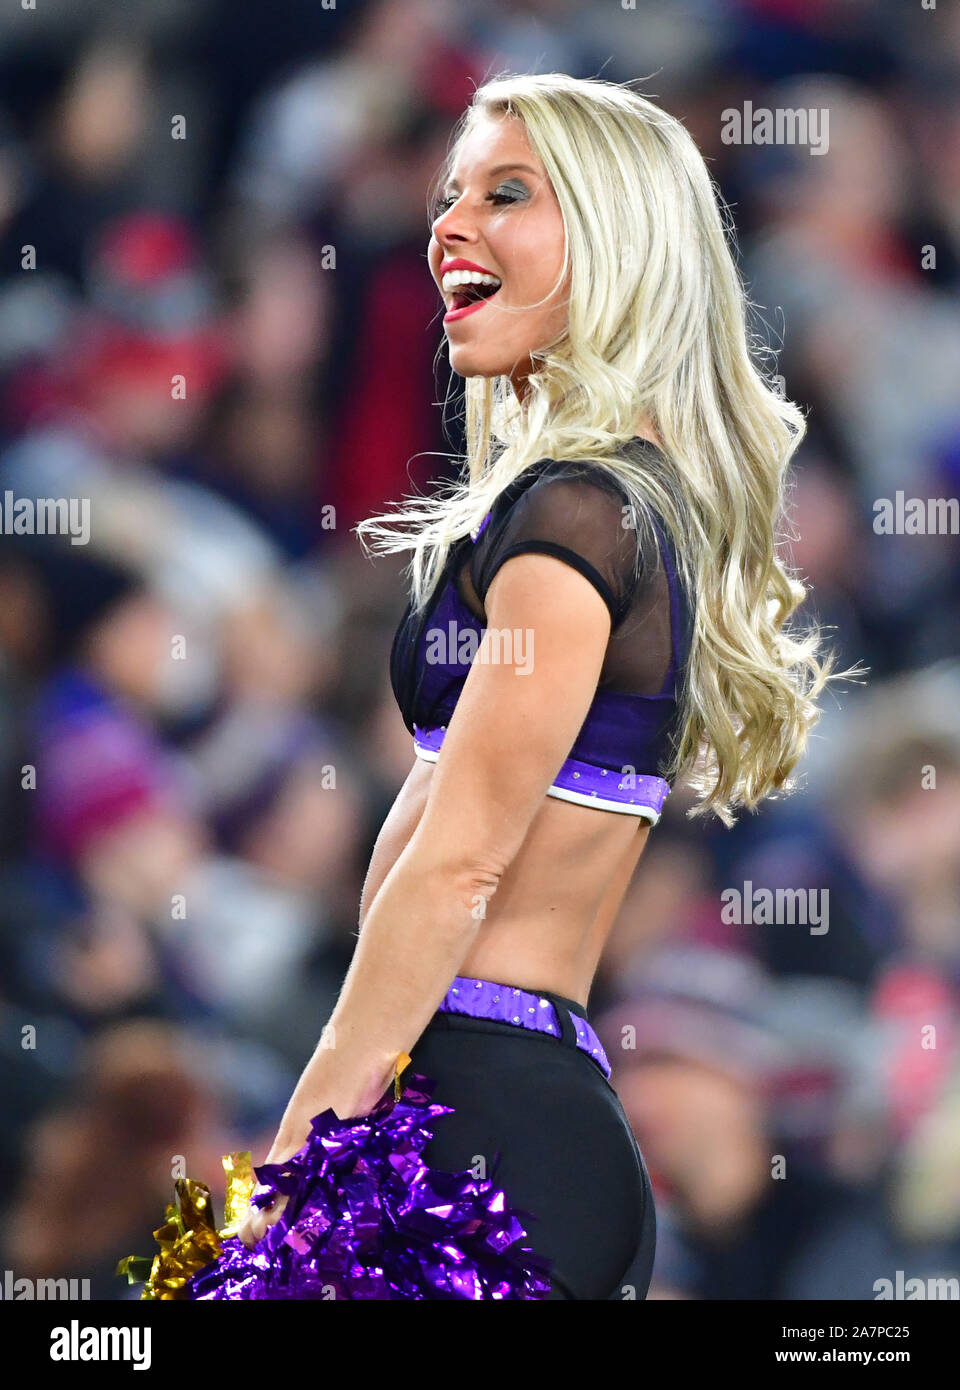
(455,226)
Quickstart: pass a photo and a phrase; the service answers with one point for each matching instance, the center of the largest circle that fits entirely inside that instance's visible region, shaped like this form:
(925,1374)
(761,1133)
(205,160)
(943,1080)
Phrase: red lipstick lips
(459,263)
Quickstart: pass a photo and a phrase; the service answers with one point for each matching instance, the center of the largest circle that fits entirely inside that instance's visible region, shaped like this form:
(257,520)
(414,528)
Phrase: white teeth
(455,278)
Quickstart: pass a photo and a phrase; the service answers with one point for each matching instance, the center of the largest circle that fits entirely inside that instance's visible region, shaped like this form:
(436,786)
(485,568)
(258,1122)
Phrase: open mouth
(472,294)
(468,290)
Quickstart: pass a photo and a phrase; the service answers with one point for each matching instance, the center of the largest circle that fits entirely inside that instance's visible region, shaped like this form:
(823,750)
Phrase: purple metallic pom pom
(367,1219)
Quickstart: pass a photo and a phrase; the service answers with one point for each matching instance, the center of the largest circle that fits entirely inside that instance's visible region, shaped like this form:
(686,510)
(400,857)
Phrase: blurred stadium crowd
(236,196)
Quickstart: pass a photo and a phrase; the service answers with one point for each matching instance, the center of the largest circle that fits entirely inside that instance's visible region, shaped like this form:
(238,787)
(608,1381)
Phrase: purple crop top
(575,512)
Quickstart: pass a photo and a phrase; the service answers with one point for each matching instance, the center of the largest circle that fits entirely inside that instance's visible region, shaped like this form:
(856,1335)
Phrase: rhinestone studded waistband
(506,1004)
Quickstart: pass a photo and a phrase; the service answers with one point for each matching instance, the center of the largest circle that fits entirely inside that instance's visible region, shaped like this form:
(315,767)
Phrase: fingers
(253,1229)
(256,1222)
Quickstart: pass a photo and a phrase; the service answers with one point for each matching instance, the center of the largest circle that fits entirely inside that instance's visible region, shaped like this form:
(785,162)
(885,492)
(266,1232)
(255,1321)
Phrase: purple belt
(505,1004)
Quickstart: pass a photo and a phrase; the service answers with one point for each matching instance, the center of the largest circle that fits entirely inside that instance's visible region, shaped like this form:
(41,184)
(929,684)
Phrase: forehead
(491,143)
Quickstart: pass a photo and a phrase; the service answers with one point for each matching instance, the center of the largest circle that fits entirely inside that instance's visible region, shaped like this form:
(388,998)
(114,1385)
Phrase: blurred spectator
(738,1093)
(101,1167)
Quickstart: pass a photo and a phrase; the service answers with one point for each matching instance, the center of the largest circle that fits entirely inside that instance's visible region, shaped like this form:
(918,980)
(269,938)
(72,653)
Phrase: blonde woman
(597,609)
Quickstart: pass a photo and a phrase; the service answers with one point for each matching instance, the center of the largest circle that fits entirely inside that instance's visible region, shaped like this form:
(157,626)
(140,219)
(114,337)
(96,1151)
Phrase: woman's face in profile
(498,217)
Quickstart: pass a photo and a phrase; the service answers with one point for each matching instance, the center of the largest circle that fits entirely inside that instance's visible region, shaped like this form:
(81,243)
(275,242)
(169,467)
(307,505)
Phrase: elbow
(469,886)
(464,881)
(478,884)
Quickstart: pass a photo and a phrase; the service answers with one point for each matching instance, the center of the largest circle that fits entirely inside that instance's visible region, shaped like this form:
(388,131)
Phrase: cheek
(540,283)
(539,246)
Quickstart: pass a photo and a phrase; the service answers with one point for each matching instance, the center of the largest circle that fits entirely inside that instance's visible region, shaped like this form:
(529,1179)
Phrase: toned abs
(548,921)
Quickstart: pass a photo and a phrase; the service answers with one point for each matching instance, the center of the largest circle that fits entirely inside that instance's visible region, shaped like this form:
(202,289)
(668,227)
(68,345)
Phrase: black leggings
(567,1153)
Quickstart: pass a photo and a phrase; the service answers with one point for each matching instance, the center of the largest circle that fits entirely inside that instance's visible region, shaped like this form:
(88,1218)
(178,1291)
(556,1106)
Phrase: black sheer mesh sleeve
(576,514)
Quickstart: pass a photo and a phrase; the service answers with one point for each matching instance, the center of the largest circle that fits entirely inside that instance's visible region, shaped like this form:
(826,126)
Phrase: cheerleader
(597,609)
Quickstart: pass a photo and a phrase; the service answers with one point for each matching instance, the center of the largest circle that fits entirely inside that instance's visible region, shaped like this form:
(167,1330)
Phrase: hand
(291,1137)
(257,1220)
(255,1223)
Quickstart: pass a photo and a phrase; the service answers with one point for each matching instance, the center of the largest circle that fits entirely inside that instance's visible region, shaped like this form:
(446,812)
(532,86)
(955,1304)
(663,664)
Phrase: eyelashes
(505,194)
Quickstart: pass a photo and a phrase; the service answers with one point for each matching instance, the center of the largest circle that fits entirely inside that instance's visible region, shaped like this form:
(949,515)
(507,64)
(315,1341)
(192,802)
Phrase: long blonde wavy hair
(656,326)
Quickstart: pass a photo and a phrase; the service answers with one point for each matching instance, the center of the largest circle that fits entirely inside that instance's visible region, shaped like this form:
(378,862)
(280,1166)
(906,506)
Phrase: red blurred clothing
(389,414)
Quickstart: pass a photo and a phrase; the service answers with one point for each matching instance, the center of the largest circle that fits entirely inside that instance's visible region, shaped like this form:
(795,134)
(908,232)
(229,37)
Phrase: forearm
(415,937)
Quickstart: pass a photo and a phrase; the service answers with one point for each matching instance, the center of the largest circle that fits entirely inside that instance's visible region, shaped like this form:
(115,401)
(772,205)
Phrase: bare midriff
(548,921)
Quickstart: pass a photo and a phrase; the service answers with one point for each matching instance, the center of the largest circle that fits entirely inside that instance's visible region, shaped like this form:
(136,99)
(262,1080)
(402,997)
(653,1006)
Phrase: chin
(471,362)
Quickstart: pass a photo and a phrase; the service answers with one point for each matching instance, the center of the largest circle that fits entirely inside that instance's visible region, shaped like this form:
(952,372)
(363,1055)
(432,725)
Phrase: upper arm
(522,705)
(576,514)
